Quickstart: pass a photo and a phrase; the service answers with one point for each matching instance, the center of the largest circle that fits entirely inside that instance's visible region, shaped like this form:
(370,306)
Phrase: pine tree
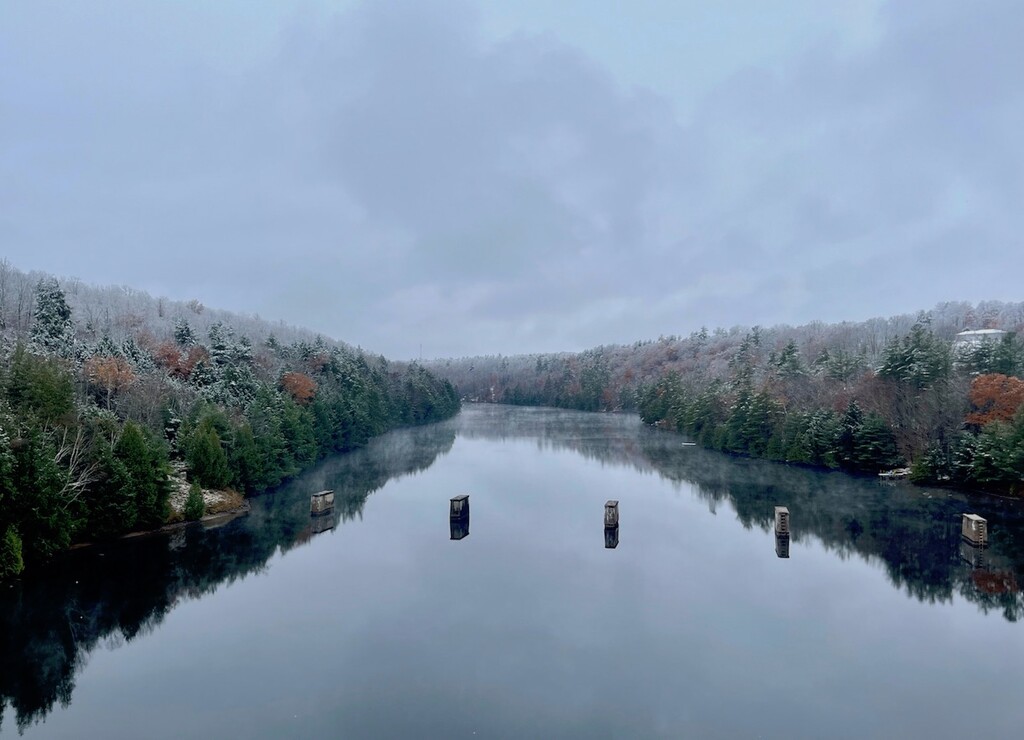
(206,459)
(789,363)
(11,561)
(112,508)
(184,335)
(139,358)
(266,418)
(45,523)
(146,467)
(875,447)
(247,467)
(846,445)
(53,332)
(39,387)
(195,507)
(106,347)
(920,359)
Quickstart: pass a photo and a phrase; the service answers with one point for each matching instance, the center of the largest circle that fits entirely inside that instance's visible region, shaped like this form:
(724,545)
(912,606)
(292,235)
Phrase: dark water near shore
(879,624)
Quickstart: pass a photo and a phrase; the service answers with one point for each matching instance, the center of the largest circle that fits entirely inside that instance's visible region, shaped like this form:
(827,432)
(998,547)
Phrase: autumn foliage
(995,397)
(299,386)
(177,363)
(113,374)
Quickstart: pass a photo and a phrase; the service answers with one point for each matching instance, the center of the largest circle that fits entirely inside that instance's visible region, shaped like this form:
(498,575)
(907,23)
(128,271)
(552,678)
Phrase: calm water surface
(879,624)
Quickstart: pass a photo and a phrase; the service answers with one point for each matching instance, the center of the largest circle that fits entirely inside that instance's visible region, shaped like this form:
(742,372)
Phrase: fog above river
(375,621)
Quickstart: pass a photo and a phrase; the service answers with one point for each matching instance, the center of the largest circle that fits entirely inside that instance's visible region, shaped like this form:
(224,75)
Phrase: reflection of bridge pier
(611,537)
(973,556)
(459,528)
(322,523)
(782,545)
(991,572)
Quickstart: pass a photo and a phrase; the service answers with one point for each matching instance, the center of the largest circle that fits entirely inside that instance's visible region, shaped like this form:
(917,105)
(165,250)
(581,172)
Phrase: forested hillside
(102,390)
(862,397)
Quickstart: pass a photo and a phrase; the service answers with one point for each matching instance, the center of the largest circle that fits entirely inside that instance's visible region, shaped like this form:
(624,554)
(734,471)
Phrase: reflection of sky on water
(531,627)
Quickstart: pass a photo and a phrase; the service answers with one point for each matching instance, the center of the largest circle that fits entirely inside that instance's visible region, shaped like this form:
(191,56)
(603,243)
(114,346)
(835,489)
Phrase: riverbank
(215,501)
(220,507)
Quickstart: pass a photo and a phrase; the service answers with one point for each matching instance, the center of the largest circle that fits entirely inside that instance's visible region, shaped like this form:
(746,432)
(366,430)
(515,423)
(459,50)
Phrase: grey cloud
(388,176)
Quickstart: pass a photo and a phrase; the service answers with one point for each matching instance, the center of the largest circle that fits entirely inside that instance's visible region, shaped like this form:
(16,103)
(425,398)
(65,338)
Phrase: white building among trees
(976,337)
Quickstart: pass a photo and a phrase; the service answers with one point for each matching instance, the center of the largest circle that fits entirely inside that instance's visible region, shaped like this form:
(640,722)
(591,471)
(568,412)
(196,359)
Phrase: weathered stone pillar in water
(459,507)
(781,521)
(974,529)
(611,524)
(458,516)
(611,513)
(321,503)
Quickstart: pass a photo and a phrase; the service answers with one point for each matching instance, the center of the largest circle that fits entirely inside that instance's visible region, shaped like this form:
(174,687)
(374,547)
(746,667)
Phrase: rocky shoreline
(221,507)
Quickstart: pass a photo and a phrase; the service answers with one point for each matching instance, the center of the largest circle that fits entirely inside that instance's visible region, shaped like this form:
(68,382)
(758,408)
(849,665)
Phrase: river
(385,619)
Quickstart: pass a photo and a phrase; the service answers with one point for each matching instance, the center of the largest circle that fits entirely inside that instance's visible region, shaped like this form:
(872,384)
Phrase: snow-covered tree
(53,332)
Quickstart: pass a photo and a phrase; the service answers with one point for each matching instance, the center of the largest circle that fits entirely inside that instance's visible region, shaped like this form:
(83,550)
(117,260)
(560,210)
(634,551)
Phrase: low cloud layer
(391,175)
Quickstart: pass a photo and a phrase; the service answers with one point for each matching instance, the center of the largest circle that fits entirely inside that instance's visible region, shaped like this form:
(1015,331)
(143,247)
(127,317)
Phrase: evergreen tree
(206,458)
(112,509)
(919,359)
(849,435)
(139,358)
(297,428)
(1005,357)
(265,417)
(11,561)
(52,330)
(39,388)
(1009,356)
(875,448)
(195,507)
(247,467)
(106,347)
(145,465)
(823,432)
(43,518)
(789,363)
(184,335)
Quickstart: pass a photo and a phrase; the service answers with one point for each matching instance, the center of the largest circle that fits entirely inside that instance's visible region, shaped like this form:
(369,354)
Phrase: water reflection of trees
(50,623)
(604,437)
(910,532)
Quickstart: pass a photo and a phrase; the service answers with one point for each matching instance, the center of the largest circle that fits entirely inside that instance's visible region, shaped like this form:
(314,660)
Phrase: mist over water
(376,622)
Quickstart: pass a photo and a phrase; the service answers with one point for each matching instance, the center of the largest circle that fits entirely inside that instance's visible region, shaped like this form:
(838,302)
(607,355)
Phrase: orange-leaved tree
(113,374)
(300,386)
(995,397)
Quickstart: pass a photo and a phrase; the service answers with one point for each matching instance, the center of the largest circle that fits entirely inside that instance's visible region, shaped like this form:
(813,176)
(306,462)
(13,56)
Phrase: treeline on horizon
(862,397)
(94,413)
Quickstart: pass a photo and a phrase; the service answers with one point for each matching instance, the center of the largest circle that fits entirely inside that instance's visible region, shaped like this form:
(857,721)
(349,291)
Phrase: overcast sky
(460,177)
